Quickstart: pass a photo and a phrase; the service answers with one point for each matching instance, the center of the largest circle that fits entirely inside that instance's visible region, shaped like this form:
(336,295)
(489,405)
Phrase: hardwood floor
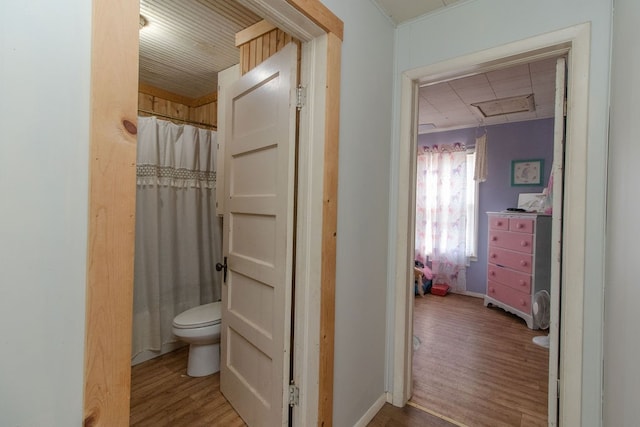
(477,365)
(391,416)
(163,395)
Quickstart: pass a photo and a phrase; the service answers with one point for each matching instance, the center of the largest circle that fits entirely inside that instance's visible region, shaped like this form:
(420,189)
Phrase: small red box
(440,289)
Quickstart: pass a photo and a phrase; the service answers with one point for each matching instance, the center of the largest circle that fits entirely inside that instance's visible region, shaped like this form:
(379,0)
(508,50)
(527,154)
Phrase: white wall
(481,24)
(363,203)
(44,105)
(622,291)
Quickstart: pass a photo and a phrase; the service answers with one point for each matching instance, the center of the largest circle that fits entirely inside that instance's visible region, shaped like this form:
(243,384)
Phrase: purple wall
(514,141)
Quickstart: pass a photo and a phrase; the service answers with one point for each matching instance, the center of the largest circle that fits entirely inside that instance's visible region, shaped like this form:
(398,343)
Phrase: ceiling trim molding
(204,100)
(254,31)
(174,97)
(164,94)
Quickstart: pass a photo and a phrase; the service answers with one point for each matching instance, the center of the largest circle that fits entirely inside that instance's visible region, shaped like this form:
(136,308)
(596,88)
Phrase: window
(446,204)
(472,208)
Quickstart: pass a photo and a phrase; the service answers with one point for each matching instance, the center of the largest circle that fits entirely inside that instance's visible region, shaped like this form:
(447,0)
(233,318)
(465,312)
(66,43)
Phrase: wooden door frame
(111,229)
(574,41)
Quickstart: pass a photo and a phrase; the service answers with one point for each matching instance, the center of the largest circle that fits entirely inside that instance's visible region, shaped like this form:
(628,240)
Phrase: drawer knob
(494,256)
(524,243)
(523,302)
(523,263)
(522,282)
(520,225)
(492,290)
(492,273)
(499,223)
(494,238)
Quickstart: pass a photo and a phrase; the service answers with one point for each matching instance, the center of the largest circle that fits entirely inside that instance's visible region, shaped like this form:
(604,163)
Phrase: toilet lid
(198,317)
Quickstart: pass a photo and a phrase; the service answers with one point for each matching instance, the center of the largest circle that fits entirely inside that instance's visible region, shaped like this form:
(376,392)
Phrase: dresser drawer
(520,242)
(498,223)
(513,279)
(521,225)
(516,260)
(516,299)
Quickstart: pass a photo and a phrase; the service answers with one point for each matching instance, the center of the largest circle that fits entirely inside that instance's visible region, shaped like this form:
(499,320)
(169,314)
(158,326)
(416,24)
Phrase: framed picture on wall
(527,172)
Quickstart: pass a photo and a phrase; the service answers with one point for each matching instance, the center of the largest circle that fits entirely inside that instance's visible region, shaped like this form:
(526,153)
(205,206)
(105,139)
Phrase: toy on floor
(422,277)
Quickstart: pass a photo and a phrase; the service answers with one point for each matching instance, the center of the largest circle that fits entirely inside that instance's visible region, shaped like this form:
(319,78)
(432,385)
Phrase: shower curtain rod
(166,116)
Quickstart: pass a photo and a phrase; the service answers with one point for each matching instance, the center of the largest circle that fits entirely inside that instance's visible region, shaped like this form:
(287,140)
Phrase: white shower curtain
(178,235)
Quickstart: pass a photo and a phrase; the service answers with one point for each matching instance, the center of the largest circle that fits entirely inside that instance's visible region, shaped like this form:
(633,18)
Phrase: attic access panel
(513,104)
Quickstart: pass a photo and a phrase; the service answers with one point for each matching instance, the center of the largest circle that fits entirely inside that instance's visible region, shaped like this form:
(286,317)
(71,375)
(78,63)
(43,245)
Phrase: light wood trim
(258,49)
(176,98)
(329,231)
(203,100)
(164,94)
(320,15)
(110,252)
(253,32)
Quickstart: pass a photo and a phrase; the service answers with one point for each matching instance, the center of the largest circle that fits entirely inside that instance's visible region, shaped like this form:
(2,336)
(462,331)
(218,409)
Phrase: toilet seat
(198,317)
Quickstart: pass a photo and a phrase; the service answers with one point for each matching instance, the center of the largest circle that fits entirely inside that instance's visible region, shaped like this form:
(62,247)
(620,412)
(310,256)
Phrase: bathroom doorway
(106,392)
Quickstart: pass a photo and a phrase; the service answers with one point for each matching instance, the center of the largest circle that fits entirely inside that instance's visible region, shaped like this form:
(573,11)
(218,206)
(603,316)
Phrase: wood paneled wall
(259,42)
(203,110)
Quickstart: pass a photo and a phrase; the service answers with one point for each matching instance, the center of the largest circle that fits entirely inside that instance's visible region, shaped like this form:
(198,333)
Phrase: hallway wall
(44,153)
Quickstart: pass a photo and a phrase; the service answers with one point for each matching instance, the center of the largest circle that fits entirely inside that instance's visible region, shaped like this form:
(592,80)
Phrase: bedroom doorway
(467,348)
(567,42)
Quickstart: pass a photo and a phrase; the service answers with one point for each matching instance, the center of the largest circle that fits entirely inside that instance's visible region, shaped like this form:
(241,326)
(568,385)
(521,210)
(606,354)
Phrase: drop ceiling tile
(471,81)
(514,72)
(503,84)
(436,89)
(472,94)
(426,117)
(448,106)
(513,87)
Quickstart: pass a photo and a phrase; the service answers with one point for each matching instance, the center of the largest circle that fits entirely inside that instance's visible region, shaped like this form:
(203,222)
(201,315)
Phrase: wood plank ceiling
(184,44)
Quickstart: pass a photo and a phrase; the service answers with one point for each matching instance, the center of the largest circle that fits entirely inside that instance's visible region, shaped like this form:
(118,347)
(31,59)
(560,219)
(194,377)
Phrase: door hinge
(294,395)
(301,97)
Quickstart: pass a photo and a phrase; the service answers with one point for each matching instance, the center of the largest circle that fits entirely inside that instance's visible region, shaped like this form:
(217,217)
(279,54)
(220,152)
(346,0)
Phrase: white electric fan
(541,315)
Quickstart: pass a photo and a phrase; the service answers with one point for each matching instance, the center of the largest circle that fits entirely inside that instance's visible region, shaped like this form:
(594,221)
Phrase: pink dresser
(519,261)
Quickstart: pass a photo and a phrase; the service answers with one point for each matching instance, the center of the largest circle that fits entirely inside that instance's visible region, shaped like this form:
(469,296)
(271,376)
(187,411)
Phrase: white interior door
(225,79)
(556,238)
(258,239)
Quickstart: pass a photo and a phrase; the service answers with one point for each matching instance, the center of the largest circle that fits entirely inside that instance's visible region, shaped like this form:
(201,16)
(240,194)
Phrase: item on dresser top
(519,262)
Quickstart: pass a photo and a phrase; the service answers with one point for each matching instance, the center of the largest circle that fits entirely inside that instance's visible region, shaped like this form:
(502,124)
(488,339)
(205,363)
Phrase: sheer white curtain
(441,209)
(178,235)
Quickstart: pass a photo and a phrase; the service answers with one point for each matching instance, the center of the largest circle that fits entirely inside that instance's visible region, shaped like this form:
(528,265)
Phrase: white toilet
(200,327)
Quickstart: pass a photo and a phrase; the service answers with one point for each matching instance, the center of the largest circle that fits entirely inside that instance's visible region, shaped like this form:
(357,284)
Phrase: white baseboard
(469,294)
(368,416)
